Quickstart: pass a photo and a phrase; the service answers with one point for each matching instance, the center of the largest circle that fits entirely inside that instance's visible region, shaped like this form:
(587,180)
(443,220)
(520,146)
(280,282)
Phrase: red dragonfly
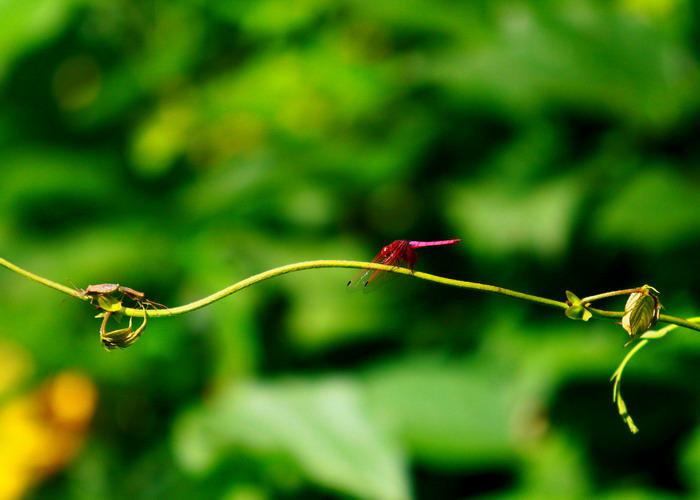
(398,253)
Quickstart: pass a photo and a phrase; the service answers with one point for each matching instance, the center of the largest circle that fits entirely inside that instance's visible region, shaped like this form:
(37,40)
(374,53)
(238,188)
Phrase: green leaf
(28,23)
(109,303)
(458,413)
(321,426)
(576,311)
(629,219)
(535,220)
(641,312)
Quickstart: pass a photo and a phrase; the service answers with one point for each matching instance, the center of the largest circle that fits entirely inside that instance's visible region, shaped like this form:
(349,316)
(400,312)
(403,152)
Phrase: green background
(178,147)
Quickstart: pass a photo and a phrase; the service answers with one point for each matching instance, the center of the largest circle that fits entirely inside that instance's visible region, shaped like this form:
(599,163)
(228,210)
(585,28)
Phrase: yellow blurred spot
(42,431)
(70,398)
(77,82)
(15,365)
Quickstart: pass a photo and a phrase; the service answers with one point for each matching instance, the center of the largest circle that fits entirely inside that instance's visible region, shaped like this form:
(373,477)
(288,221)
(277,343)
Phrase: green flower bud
(642,311)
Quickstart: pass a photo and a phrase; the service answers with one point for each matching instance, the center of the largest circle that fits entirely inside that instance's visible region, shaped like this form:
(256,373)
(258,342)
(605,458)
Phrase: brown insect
(110,288)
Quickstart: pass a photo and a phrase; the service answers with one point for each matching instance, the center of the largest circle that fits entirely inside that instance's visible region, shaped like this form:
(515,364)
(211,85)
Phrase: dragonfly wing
(362,279)
(370,279)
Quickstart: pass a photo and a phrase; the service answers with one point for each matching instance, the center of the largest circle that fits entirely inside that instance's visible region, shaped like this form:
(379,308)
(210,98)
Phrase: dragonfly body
(395,254)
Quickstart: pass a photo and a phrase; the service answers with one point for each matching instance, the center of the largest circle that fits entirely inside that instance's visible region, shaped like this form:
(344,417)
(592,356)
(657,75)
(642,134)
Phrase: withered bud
(122,337)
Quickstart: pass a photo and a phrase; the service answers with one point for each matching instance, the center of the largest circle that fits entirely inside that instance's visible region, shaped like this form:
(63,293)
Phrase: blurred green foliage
(178,147)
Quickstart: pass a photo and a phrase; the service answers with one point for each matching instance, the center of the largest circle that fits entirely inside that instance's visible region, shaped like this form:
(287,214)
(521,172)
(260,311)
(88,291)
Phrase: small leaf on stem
(109,303)
(576,310)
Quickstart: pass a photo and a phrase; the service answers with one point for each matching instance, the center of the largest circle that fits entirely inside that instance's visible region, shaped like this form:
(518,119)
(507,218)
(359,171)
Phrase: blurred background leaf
(178,147)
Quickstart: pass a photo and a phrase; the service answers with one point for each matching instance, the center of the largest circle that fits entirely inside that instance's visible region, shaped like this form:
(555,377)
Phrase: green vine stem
(663,318)
(318,264)
(43,281)
(617,376)
(605,295)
